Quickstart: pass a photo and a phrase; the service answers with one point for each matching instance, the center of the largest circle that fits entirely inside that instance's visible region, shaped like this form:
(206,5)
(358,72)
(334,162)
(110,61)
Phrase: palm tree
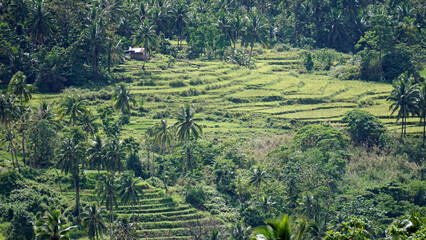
(39,21)
(19,87)
(235,30)
(422,108)
(275,229)
(8,114)
(187,129)
(93,220)
(51,227)
(147,37)
(258,176)
(186,125)
(179,15)
(96,154)
(69,157)
(255,31)
(240,231)
(89,125)
(115,153)
(73,107)
(107,192)
(404,98)
(129,192)
(164,137)
(122,99)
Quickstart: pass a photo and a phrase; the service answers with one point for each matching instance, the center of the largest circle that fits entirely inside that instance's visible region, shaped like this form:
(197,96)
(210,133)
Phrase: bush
(9,180)
(319,135)
(363,127)
(308,63)
(196,196)
(325,58)
(22,227)
(177,83)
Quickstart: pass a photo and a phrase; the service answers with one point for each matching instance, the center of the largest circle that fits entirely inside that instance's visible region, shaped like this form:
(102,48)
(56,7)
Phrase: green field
(234,101)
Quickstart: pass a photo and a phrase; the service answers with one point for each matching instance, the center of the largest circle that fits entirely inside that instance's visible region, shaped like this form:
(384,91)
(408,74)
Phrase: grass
(224,93)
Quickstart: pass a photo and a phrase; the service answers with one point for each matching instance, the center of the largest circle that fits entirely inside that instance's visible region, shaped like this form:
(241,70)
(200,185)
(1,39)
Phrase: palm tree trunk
(424,128)
(77,197)
(164,170)
(251,51)
(189,184)
(110,219)
(23,131)
(149,168)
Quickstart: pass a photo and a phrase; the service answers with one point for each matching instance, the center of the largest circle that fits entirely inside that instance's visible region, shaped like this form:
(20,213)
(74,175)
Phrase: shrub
(308,62)
(196,196)
(363,127)
(177,83)
(22,227)
(319,135)
(9,180)
(325,58)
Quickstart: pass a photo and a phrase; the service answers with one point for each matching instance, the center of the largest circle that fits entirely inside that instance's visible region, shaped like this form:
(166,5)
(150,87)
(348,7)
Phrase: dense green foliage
(74,165)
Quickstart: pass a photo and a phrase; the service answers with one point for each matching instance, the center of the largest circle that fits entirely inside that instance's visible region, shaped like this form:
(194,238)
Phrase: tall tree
(73,107)
(404,98)
(92,219)
(255,31)
(187,129)
(39,21)
(69,158)
(179,16)
(186,126)
(96,153)
(164,137)
(147,37)
(8,114)
(422,108)
(19,87)
(129,192)
(122,99)
(107,192)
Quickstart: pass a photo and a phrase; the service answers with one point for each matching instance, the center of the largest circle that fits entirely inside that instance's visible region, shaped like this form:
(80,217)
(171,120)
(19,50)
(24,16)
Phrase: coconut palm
(275,229)
(164,137)
(179,17)
(73,107)
(39,21)
(186,126)
(94,38)
(236,26)
(422,108)
(107,193)
(404,98)
(240,231)
(69,157)
(122,99)
(129,192)
(8,114)
(89,125)
(92,219)
(51,227)
(96,153)
(147,37)
(19,87)
(255,31)
(258,175)
(115,153)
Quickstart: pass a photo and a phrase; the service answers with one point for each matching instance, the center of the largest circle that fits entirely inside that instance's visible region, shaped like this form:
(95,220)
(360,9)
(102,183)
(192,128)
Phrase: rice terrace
(212,120)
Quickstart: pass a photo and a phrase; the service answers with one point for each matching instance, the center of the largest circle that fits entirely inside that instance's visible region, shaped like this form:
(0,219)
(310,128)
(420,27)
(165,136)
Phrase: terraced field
(159,216)
(235,101)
